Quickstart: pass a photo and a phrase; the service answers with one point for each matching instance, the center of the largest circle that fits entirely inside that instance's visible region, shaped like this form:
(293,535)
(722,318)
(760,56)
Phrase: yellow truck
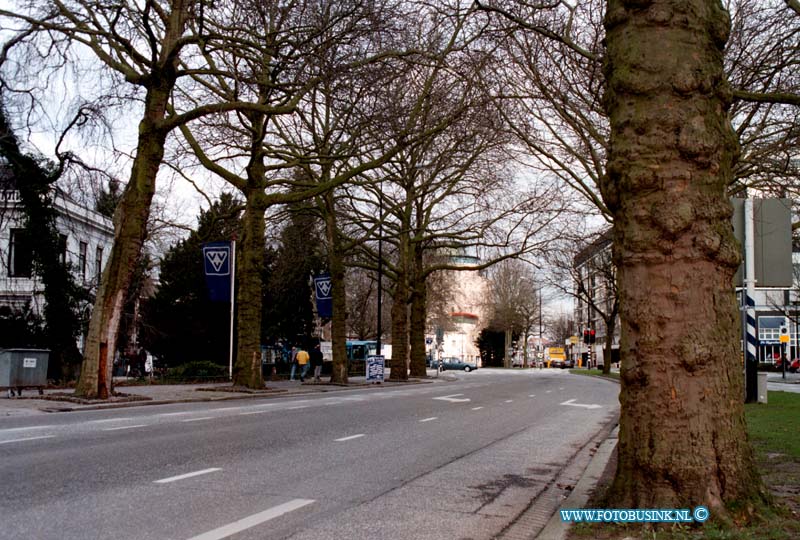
(556,357)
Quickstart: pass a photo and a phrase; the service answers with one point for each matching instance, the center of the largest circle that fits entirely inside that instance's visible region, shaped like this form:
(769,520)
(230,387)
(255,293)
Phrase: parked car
(456,363)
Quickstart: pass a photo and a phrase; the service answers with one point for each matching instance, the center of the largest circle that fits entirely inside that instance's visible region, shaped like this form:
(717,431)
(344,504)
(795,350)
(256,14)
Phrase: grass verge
(774,430)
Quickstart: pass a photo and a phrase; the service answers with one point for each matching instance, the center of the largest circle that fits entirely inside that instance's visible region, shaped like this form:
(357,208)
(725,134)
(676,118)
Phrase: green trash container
(23,368)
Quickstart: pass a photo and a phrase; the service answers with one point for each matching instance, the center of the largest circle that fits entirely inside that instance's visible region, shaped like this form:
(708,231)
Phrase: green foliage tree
(288,312)
(179,323)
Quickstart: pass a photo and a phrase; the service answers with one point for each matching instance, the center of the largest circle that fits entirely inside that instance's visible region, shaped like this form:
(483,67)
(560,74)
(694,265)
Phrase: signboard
(29,362)
(573,340)
(773,241)
(375,365)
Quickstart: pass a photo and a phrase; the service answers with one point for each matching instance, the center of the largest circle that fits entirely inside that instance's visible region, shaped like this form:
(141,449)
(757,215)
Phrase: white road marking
(174,413)
(228,409)
(572,403)
(429,419)
(453,398)
(251,521)
(28,439)
(125,427)
(350,438)
(547,391)
(198,419)
(298,407)
(531,395)
(109,420)
(184,476)
(254,412)
(560,387)
(9,430)
(509,401)
(477,408)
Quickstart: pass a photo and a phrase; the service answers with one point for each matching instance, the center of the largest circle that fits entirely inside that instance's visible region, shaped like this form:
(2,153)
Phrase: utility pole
(380,269)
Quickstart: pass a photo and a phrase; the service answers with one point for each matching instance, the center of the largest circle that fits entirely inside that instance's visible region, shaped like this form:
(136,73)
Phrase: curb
(556,529)
(267,394)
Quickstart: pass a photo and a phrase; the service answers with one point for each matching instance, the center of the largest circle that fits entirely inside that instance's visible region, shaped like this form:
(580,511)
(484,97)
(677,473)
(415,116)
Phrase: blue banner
(217,266)
(322,292)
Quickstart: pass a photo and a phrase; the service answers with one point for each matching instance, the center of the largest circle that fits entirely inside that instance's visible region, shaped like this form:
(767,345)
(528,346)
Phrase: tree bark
(249,290)
(338,292)
(399,363)
(682,437)
(419,314)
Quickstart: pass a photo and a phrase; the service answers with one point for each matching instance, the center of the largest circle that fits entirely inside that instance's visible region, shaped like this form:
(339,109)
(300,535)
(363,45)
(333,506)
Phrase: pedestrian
(293,360)
(302,361)
(316,361)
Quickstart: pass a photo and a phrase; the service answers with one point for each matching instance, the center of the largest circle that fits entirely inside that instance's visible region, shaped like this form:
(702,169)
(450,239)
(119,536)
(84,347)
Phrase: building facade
(86,240)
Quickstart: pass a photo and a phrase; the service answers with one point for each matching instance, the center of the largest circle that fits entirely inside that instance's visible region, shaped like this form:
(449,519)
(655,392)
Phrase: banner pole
(233,302)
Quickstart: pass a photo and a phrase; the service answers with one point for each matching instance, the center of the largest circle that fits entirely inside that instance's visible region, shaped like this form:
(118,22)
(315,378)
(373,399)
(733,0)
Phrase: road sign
(573,340)
(784,331)
(375,365)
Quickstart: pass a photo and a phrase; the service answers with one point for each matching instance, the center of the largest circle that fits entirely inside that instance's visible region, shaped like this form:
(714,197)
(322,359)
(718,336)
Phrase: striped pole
(751,360)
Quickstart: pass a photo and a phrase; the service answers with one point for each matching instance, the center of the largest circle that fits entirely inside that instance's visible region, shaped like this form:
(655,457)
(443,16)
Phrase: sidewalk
(159,394)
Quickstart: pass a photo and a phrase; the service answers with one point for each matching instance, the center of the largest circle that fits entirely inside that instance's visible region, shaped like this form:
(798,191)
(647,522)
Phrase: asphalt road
(457,460)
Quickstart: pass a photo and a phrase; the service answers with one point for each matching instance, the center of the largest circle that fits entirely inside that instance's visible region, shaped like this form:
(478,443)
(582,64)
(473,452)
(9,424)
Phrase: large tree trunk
(338,293)
(419,314)
(682,439)
(399,369)
(130,231)
(133,211)
(249,297)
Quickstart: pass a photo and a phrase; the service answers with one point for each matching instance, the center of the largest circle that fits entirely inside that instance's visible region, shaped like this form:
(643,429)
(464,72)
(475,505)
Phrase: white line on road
(252,521)
(228,409)
(350,438)
(531,395)
(298,407)
(477,408)
(429,419)
(125,427)
(110,420)
(184,476)
(24,428)
(571,403)
(547,391)
(509,401)
(28,439)
(453,398)
(174,413)
(254,412)
(198,419)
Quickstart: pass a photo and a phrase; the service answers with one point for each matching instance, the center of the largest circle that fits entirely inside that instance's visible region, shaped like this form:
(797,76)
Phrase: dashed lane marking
(185,476)
(28,439)
(251,521)
(350,438)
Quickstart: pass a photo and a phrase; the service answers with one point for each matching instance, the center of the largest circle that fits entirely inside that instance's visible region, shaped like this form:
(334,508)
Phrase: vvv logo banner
(322,293)
(217,267)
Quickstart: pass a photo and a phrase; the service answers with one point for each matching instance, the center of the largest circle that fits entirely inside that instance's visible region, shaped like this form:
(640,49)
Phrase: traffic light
(586,336)
(592,336)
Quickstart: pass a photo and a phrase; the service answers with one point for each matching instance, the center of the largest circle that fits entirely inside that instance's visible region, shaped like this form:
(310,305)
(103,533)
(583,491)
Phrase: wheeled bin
(23,368)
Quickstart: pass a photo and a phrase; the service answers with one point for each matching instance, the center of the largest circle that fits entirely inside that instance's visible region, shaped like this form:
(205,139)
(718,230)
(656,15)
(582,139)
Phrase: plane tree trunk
(682,439)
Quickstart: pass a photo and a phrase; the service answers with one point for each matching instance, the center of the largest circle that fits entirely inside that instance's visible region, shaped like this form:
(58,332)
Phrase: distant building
(86,240)
(467,313)
(593,286)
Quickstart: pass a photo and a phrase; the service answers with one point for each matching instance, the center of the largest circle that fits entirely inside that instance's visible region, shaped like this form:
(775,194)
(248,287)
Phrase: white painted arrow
(584,405)
(453,398)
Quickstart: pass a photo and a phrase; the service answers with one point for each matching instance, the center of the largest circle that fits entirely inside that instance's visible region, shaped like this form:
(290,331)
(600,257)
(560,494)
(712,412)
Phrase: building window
(98,263)
(20,257)
(62,248)
(82,259)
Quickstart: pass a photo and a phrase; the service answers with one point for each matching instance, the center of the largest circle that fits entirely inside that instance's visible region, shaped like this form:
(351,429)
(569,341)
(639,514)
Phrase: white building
(468,313)
(86,240)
